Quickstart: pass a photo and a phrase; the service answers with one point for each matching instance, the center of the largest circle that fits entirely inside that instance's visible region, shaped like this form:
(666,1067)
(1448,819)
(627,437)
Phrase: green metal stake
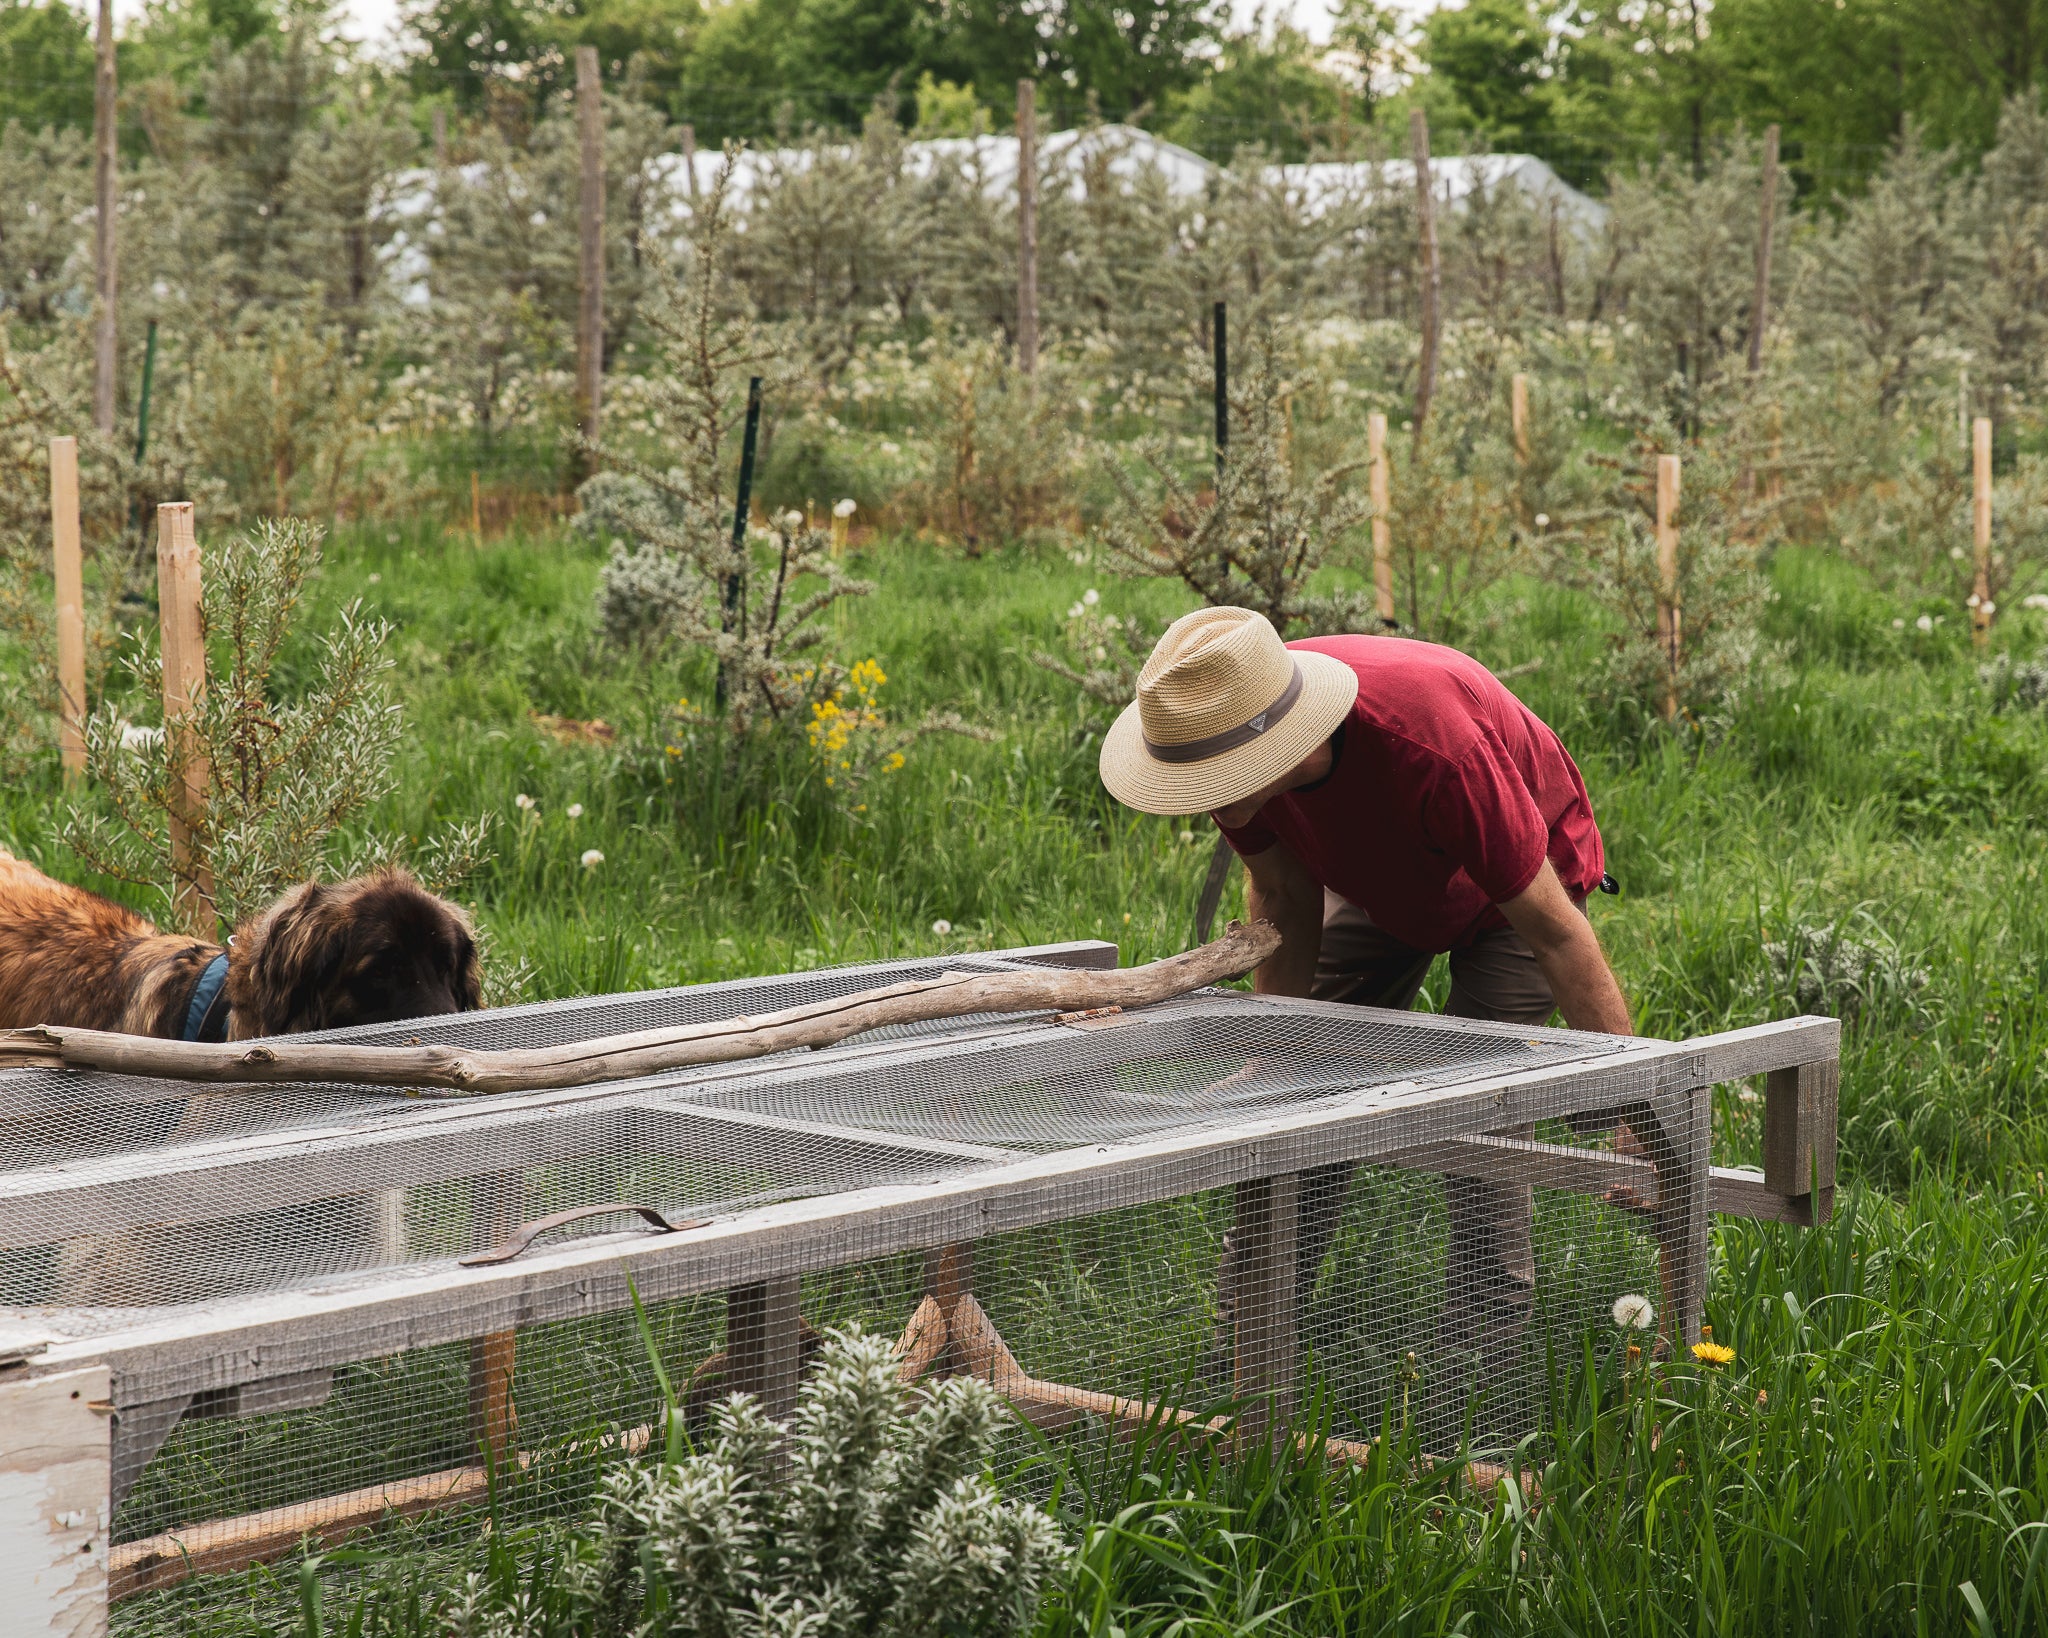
(148,379)
(744,501)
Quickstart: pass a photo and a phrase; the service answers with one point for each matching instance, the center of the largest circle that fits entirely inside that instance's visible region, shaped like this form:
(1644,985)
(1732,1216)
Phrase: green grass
(1896,1454)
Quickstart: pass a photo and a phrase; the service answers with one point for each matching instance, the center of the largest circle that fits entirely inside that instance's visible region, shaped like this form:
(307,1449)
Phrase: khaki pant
(1489,1262)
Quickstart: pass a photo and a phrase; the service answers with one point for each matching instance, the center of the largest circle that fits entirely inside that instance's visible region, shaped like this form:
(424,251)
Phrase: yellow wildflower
(1713,1353)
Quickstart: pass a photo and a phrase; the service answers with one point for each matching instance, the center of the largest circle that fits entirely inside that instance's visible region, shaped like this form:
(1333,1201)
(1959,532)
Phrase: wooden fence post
(1431,269)
(686,133)
(1981,606)
(1670,633)
(1518,415)
(1027,226)
(106,333)
(184,656)
(590,205)
(1380,490)
(1760,302)
(70,575)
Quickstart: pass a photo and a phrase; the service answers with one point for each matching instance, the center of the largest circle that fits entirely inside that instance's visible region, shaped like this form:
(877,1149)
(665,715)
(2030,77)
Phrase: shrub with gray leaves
(1830,970)
(868,1515)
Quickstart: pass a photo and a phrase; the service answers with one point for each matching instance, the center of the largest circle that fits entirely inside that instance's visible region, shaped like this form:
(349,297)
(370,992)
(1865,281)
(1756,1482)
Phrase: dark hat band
(1200,750)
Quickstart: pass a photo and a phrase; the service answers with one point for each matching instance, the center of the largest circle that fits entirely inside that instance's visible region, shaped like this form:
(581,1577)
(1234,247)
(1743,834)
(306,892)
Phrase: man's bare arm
(1569,954)
(1280,890)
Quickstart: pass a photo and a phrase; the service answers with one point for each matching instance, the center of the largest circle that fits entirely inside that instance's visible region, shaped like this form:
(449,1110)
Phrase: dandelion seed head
(575,810)
(1543,520)
(1633,1312)
(1924,623)
(1091,597)
(942,927)
(592,858)
(523,802)
(844,508)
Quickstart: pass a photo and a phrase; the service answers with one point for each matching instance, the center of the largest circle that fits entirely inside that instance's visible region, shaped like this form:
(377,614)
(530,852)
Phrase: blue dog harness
(206,1014)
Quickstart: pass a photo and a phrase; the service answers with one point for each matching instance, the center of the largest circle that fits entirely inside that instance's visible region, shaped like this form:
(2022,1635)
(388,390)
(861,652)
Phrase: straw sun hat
(1224,708)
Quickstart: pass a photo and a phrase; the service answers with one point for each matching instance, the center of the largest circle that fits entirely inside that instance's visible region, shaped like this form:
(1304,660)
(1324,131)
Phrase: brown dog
(366,951)
(370,950)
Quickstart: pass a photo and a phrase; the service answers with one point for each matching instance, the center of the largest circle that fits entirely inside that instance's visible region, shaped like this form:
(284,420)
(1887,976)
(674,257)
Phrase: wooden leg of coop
(763,1342)
(1799,1136)
(495,1211)
(1678,1135)
(1268,1346)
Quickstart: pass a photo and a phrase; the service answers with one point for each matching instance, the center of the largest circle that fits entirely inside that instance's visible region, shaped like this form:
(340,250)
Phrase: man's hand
(1280,890)
(1569,954)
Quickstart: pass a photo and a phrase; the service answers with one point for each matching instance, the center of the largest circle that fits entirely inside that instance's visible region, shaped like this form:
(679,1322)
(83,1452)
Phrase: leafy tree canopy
(1588,84)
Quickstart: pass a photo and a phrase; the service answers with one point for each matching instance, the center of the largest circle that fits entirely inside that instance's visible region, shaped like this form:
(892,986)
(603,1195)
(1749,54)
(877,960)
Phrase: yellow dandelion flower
(1713,1353)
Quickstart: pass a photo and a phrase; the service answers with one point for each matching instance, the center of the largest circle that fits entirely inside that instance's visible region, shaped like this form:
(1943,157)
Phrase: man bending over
(1392,801)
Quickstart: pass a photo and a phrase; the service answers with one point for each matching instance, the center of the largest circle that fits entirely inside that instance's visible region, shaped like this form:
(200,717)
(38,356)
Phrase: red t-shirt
(1447,796)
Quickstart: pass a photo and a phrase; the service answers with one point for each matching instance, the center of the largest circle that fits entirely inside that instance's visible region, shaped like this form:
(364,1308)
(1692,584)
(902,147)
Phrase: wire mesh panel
(318,1320)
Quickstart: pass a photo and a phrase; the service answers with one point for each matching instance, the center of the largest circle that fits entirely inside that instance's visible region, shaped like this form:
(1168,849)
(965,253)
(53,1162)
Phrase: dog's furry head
(363,951)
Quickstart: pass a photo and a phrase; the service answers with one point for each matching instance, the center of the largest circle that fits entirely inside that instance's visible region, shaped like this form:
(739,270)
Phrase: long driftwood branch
(623,1057)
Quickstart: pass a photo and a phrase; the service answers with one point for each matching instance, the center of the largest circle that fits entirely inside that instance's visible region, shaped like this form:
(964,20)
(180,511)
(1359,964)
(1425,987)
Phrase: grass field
(1875,1461)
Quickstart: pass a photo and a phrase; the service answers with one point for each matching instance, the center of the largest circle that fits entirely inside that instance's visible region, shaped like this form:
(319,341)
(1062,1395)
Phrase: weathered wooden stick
(622,1057)
(1053,1406)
